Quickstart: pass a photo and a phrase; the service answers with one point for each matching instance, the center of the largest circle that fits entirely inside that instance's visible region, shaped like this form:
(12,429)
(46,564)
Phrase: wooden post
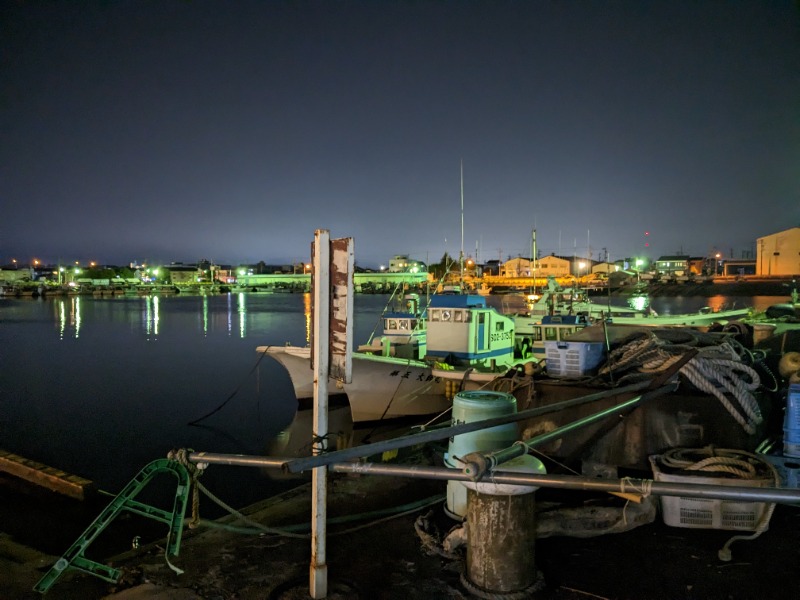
(331,350)
(318,581)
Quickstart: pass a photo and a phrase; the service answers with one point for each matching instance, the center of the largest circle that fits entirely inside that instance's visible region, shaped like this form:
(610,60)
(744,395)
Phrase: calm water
(100,387)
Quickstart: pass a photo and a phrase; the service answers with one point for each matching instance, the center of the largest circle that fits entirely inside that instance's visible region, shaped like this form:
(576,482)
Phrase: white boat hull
(700,319)
(382,387)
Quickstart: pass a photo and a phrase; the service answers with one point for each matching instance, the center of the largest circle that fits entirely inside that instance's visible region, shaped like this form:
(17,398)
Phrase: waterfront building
(517,267)
(401,263)
(677,265)
(779,253)
(553,265)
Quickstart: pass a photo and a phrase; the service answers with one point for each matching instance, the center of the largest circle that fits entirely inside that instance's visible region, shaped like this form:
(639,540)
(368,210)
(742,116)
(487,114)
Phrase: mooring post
(501,529)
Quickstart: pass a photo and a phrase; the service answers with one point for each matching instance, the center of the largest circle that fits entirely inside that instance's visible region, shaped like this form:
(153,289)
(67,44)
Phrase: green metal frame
(74,558)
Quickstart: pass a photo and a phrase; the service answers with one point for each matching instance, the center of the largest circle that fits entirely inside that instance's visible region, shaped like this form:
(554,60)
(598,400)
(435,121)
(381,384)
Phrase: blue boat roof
(458,301)
(564,320)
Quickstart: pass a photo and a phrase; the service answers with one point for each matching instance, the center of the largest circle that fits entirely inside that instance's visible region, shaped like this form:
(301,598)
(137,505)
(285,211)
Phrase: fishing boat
(531,332)
(703,318)
(466,342)
(404,330)
(558,300)
(382,387)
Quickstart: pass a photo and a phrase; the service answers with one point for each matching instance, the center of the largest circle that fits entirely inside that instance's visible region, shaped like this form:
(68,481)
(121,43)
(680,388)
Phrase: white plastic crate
(709,513)
(573,359)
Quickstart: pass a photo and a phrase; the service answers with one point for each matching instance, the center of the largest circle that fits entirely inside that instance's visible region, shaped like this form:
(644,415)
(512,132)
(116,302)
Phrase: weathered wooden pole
(331,350)
(501,531)
(318,570)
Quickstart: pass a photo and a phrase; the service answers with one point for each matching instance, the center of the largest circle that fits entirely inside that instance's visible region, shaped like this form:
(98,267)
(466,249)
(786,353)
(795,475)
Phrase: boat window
(467,316)
(499,326)
(458,316)
(446,315)
(435,315)
(402,324)
(537,335)
(392,324)
(550,333)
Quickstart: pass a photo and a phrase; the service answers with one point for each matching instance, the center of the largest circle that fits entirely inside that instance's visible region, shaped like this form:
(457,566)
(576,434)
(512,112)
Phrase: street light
(716,263)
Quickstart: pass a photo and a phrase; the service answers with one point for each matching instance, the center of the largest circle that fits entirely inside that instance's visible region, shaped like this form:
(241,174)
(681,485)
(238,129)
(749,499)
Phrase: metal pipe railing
(477,463)
(570,482)
(301,464)
(237,460)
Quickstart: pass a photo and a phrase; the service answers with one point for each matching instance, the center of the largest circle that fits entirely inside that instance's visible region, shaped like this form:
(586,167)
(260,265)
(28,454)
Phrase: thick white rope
(715,370)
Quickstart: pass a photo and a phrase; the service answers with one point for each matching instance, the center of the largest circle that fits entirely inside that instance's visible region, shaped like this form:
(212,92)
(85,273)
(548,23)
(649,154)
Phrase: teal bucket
(470,407)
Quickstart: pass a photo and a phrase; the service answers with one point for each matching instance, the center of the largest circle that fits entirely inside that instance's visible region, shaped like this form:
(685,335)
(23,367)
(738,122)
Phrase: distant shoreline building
(401,263)
(779,253)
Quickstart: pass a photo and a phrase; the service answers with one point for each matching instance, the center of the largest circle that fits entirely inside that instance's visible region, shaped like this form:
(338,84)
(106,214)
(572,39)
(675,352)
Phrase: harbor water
(99,387)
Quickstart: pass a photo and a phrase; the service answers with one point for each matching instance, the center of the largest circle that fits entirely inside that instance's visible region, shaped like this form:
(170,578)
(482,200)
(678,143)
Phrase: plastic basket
(707,513)
(572,359)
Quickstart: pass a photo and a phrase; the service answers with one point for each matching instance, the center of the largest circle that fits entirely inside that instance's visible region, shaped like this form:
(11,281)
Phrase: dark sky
(180,130)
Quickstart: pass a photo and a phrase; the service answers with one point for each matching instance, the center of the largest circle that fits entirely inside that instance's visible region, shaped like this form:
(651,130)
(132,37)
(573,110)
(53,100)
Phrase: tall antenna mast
(461,255)
(533,257)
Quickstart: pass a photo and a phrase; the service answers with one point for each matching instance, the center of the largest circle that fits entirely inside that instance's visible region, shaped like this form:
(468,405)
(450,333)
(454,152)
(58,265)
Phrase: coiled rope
(716,370)
(739,463)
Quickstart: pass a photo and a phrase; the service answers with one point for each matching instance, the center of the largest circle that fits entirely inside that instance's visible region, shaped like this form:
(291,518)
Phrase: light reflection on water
(691,304)
(100,387)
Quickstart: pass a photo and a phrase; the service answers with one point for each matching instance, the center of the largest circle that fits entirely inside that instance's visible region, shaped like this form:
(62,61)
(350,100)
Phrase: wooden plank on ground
(42,475)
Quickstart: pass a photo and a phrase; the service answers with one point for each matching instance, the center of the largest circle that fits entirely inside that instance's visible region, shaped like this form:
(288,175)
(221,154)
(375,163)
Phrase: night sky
(166,131)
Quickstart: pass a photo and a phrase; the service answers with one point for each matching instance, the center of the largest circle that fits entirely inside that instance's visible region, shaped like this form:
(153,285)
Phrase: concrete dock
(382,556)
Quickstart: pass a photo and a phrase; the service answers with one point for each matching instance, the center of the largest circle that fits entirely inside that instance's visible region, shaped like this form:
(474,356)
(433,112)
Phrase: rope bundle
(740,463)
(716,370)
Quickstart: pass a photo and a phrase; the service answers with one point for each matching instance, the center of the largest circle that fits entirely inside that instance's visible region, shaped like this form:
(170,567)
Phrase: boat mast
(461,254)
(533,260)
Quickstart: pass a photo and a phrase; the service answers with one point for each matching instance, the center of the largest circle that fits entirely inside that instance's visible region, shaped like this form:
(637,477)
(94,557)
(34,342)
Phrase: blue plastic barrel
(470,407)
(791,422)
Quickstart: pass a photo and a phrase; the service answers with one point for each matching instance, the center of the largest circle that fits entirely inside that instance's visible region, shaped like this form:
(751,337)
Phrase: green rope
(290,530)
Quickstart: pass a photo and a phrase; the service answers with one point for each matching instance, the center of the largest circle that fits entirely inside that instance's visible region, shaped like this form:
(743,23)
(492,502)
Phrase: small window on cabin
(467,317)
(435,316)
(499,326)
(392,324)
(458,316)
(482,318)
(402,324)
(550,333)
(537,335)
